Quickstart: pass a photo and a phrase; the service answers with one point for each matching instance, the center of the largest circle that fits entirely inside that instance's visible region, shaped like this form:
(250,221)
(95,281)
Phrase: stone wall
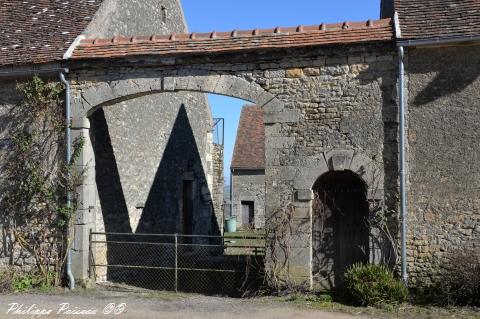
(329,108)
(145,147)
(8,98)
(142,157)
(11,252)
(218,184)
(249,185)
(137,17)
(443,157)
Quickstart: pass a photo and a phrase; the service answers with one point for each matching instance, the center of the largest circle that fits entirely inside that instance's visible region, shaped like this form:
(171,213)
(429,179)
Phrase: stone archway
(340,234)
(88,98)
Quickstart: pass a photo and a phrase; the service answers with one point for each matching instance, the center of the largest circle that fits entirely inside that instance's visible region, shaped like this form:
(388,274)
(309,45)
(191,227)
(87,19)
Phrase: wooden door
(248,214)
(340,232)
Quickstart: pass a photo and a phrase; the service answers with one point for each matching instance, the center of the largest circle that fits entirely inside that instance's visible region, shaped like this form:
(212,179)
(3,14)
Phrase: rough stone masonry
(330,108)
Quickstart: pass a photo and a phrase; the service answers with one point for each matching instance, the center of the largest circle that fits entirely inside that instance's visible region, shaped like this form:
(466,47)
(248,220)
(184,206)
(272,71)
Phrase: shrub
(459,282)
(10,281)
(7,276)
(373,285)
(34,280)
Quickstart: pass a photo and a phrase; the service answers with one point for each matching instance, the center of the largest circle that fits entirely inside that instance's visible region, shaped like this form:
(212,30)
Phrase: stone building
(442,90)
(154,165)
(248,170)
(333,98)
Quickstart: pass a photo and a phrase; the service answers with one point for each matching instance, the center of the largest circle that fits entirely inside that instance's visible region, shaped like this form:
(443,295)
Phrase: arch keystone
(339,159)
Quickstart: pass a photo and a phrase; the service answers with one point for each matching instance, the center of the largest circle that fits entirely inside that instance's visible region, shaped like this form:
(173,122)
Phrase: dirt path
(135,306)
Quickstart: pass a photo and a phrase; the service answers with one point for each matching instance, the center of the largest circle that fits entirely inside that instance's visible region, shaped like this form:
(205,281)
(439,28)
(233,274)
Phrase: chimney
(387,9)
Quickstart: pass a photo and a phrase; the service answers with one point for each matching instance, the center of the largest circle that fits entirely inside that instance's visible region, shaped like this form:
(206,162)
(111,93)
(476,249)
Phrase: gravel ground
(169,306)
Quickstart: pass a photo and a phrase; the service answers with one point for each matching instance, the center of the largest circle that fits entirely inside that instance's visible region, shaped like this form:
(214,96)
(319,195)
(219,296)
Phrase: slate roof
(201,43)
(423,19)
(249,151)
(41,31)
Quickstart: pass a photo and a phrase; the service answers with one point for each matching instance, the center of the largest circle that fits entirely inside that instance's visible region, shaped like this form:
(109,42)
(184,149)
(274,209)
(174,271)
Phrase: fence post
(90,255)
(176,263)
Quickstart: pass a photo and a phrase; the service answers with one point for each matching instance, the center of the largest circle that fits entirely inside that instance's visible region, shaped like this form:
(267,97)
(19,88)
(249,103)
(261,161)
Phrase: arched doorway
(340,232)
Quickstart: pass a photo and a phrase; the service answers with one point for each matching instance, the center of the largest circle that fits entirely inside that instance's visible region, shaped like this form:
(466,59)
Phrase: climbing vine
(37,180)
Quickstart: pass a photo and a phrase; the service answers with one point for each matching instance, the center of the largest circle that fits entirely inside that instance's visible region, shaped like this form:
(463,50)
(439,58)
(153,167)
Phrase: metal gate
(186,263)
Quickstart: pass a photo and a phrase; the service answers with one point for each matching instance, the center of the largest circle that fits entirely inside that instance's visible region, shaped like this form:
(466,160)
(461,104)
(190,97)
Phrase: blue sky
(224,15)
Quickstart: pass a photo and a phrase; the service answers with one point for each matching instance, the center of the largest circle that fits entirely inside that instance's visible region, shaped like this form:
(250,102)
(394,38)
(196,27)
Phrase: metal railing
(218,131)
(187,263)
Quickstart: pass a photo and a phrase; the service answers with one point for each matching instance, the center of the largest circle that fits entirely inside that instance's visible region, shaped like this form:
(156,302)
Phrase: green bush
(373,285)
(33,280)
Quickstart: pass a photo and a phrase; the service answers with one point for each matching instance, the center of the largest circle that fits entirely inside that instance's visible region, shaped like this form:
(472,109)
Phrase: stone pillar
(301,251)
(85,214)
(218,184)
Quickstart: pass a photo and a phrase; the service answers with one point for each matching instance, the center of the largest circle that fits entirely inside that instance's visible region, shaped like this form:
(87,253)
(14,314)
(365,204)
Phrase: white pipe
(71,279)
(403,179)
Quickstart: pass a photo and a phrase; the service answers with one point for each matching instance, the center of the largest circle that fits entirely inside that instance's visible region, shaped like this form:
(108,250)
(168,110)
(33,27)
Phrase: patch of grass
(33,281)
(249,242)
(328,302)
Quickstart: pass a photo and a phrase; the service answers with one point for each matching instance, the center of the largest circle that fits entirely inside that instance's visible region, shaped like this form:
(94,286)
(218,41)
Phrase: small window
(164,14)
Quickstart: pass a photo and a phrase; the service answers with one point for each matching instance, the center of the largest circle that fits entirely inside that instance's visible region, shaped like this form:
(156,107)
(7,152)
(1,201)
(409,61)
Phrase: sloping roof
(423,19)
(40,31)
(201,43)
(249,151)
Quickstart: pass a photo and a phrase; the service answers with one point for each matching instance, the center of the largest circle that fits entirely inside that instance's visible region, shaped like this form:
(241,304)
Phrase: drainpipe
(231,192)
(403,193)
(68,111)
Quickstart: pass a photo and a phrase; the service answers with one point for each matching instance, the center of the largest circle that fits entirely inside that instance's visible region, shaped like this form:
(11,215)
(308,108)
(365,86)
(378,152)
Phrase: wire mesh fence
(186,263)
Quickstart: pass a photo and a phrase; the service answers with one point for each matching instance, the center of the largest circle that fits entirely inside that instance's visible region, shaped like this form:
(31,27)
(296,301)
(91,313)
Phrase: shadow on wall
(162,212)
(163,208)
(450,78)
(110,192)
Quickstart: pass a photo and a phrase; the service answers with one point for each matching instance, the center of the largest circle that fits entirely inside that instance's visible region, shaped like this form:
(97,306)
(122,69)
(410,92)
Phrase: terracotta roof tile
(249,151)
(438,18)
(201,43)
(40,31)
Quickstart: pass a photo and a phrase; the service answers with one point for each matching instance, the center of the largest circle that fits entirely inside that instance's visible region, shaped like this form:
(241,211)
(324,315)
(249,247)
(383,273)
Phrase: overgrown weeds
(33,202)
(458,283)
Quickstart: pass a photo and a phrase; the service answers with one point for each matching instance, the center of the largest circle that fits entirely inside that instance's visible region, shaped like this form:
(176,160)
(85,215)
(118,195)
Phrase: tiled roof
(422,19)
(39,31)
(199,43)
(249,151)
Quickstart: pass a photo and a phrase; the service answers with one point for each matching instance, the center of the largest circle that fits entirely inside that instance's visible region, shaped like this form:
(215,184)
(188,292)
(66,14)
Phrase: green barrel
(231,224)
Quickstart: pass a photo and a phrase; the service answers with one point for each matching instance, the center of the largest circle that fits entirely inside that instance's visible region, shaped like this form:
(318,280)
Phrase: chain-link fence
(187,263)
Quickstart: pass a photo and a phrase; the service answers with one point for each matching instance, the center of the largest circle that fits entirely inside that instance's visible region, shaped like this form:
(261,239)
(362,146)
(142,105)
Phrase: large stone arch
(88,98)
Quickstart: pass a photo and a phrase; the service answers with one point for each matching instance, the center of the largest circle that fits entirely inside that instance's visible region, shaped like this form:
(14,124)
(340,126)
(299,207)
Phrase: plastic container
(231,224)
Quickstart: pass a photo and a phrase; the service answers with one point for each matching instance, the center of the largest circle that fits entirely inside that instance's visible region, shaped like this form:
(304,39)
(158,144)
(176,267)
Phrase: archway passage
(340,232)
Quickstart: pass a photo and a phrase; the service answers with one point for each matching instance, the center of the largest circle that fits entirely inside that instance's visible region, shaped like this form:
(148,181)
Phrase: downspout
(403,179)
(68,111)
(402,150)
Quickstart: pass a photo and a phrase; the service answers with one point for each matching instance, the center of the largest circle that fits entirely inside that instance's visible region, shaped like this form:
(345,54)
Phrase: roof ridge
(199,36)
